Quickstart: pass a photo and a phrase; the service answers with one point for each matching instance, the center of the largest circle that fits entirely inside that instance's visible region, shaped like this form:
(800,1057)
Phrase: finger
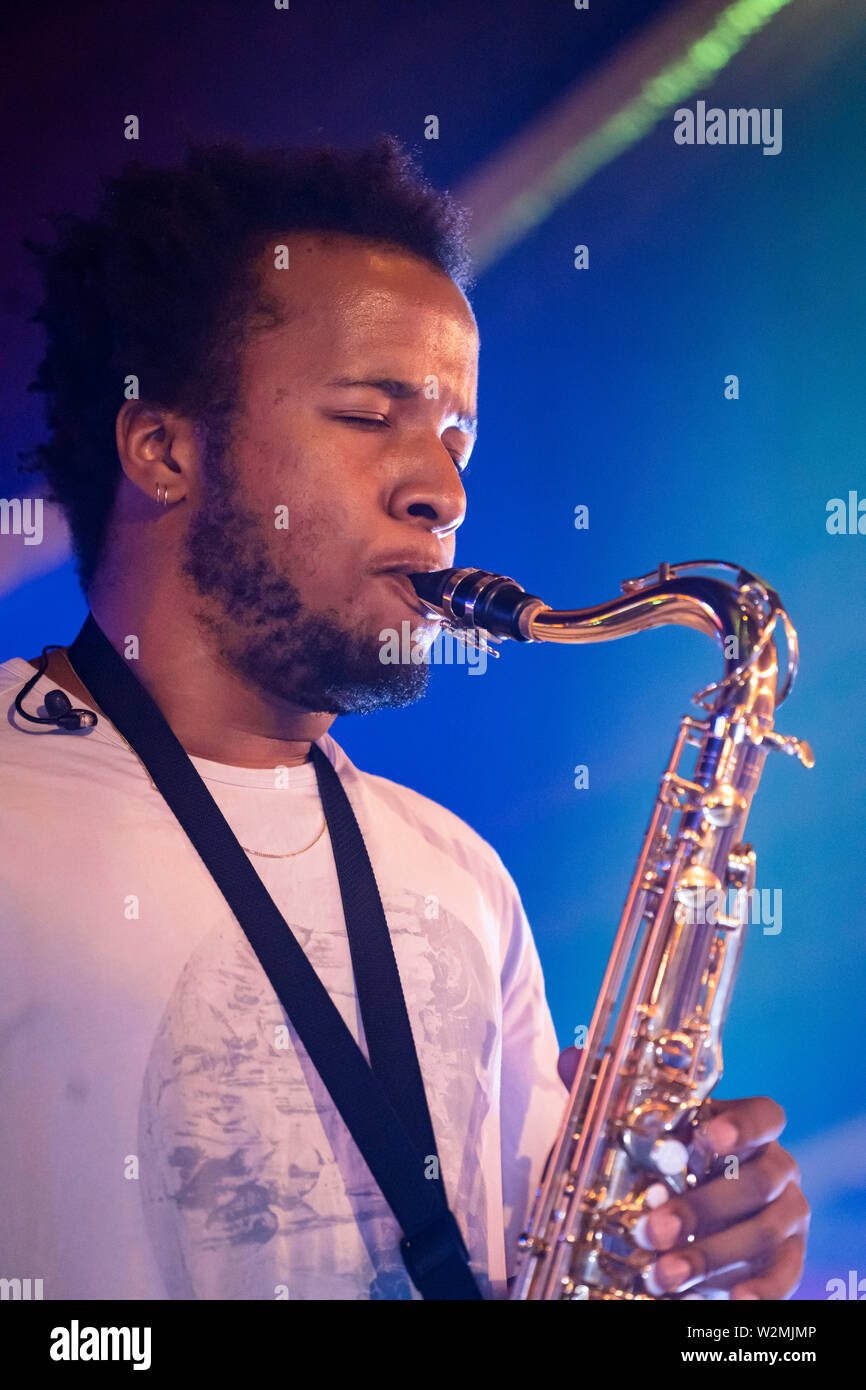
(754,1242)
(707,1165)
(779,1280)
(739,1126)
(715,1289)
(567,1064)
(717,1203)
(782,1279)
(721,1284)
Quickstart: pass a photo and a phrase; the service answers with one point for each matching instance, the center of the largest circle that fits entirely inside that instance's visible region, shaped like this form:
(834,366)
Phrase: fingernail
(656,1195)
(640,1235)
(722,1135)
(664,1228)
(656,1230)
(672,1270)
(740,1296)
(666,1274)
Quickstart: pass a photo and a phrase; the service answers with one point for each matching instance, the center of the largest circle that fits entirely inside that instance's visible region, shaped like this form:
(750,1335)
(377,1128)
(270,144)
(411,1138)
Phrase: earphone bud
(57,702)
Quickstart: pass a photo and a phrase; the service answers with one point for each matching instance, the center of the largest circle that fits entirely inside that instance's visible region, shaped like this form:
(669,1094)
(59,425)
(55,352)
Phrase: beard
(258,625)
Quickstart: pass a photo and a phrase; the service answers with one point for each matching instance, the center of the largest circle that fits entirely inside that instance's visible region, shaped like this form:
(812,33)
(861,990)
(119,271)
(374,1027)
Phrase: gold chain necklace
(292,853)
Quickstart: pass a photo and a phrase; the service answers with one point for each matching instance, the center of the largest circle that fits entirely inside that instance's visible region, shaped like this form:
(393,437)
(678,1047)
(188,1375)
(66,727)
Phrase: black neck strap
(382,1103)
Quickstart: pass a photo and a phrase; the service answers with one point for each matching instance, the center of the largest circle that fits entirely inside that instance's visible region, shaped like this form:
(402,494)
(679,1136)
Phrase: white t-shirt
(163,1134)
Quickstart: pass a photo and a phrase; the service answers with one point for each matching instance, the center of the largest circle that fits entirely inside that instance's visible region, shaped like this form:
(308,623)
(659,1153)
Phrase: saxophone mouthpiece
(477,599)
(430,587)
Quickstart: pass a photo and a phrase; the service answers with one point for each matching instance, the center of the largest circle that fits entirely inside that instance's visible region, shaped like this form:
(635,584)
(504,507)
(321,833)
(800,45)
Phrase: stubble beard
(255,621)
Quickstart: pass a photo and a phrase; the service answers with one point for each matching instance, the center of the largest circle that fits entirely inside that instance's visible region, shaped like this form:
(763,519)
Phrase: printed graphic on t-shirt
(252,1186)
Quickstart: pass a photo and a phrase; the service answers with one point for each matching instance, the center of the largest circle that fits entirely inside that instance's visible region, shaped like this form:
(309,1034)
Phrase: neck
(213,711)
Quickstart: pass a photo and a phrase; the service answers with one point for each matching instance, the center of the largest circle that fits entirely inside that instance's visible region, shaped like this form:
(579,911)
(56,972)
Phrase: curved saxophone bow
(653,1051)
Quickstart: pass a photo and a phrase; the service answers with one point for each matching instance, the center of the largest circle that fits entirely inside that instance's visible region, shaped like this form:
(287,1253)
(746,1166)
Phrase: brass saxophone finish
(653,1052)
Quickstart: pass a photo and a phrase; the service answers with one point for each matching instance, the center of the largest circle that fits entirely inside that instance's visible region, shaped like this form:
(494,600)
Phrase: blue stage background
(604,387)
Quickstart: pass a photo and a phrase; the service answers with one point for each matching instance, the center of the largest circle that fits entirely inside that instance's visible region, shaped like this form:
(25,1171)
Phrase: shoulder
(14,672)
(442,828)
(14,676)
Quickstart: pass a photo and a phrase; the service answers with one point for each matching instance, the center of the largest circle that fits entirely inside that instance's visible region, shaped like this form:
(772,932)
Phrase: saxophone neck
(740,613)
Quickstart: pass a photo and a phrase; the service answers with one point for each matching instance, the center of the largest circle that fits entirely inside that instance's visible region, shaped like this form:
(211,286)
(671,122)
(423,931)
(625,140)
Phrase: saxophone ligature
(653,1049)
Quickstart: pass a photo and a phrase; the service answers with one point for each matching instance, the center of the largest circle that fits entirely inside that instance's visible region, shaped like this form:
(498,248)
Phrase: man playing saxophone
(262,387)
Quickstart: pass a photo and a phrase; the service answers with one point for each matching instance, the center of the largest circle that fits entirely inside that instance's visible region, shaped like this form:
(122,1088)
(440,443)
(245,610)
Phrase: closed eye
(364,419)
(378,421)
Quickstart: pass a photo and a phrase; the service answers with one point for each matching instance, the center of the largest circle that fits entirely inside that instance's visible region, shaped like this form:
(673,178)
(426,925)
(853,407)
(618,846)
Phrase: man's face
(354,419)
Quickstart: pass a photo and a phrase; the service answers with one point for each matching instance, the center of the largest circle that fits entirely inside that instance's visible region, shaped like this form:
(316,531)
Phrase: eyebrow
(401,390)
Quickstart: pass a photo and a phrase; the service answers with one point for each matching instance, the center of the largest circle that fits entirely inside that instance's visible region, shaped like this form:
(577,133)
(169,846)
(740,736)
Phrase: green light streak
(680,79)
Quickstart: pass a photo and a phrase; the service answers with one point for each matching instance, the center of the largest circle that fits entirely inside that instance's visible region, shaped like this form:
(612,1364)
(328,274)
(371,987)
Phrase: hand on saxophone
(743,1234)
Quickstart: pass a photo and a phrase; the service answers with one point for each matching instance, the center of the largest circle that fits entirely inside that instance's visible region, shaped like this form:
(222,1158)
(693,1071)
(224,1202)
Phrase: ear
(158,448)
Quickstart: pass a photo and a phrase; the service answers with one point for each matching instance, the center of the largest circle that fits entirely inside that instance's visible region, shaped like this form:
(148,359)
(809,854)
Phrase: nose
(429,492)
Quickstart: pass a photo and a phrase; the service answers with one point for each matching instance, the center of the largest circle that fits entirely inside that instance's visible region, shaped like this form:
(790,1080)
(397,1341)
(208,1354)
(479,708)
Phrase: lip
(417,564)
(401,584)
(398,568)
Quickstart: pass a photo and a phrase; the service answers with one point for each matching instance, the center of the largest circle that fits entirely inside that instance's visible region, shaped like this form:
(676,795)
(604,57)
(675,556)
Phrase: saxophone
(653,1050)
